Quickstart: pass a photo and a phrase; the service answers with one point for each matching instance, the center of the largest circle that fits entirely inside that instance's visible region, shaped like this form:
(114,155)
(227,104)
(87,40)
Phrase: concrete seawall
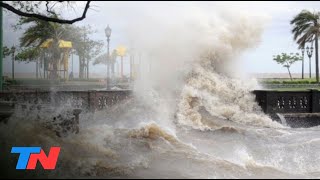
(86,100)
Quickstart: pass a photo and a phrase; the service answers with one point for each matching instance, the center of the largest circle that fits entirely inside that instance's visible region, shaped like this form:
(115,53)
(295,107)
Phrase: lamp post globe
(108,31)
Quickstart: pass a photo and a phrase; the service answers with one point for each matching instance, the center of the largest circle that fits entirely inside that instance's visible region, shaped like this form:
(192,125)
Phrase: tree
(10,51)
(286,60)
(306,29)
(87,49)
(39,31)
(102,59)
(92,49)
(29,54)
(31,9)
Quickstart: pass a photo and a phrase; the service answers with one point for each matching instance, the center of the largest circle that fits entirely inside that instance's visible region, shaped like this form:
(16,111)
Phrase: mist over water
(192,116)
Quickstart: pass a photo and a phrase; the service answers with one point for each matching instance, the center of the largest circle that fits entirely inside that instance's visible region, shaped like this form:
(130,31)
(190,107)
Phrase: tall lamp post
(309,53)
(131,63)
(13,49)
(108,34)
(1,51)
(302,52)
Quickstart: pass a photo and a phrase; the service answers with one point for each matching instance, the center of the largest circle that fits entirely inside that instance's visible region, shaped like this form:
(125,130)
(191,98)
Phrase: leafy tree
(39,31)
(286,60)
(306,28)
(7,52)
(28,54)
(102,59)
(87,49)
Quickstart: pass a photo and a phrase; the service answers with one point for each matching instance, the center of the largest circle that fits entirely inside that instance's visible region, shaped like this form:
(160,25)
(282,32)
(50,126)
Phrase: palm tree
(38,32)
(306,28)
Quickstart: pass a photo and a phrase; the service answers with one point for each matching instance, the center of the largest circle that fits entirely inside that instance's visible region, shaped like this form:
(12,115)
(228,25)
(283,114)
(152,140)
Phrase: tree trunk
(87,68)
(13,65)
(56,58)
(310,68)
(119,70)
(113,67)
(40,66)
(131,66)
(53,73)
(37,69)
(55,70)
(317,60)
(121,67)
(289,73)
(72,63)
(44,69)
(81,68)
(302,67)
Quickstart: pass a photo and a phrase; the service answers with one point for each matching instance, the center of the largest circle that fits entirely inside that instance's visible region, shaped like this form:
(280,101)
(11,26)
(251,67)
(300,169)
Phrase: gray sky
(276,37)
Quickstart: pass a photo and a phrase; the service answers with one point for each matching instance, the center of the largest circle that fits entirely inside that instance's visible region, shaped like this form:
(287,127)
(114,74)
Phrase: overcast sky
(276,37)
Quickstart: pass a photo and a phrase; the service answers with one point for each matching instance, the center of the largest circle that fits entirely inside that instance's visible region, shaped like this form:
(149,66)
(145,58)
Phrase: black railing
(86,100)
(273,102)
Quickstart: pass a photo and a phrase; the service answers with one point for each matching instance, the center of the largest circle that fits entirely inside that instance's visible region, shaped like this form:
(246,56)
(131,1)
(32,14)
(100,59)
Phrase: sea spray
(193,58)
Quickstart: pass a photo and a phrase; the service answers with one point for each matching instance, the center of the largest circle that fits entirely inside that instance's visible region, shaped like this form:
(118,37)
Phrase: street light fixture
(108,31)
(309,53)
(108,34)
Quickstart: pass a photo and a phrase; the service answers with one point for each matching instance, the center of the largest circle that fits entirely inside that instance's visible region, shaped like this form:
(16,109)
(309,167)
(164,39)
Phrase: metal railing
(273,102)
(86,100)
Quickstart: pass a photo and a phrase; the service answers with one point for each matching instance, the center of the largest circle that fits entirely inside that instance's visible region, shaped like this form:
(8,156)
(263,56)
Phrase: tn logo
(29,157)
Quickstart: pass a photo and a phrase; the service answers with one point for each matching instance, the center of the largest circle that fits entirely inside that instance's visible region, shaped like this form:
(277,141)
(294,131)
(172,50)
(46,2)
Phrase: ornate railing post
(92,100)
(315,104)
(262,99)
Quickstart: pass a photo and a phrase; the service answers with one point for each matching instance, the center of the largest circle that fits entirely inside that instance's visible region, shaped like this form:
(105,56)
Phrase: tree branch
(45,18)
(49,9)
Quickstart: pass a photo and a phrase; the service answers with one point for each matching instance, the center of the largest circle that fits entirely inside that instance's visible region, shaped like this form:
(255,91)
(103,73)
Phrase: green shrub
(36,82)
(297,82)
(303,82)
(11,82)
(270,82)
(287,82)
(87,80)
(275,82)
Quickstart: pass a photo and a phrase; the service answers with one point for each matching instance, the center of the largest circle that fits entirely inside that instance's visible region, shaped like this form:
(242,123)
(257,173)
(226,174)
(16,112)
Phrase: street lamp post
(1,51)
(13,50)
(302,52)
(71,65)
(108,34)
(113,59)
(131,63)
(309,53)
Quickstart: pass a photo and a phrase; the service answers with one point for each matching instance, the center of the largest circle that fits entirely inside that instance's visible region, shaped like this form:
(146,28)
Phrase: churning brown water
(129,143)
